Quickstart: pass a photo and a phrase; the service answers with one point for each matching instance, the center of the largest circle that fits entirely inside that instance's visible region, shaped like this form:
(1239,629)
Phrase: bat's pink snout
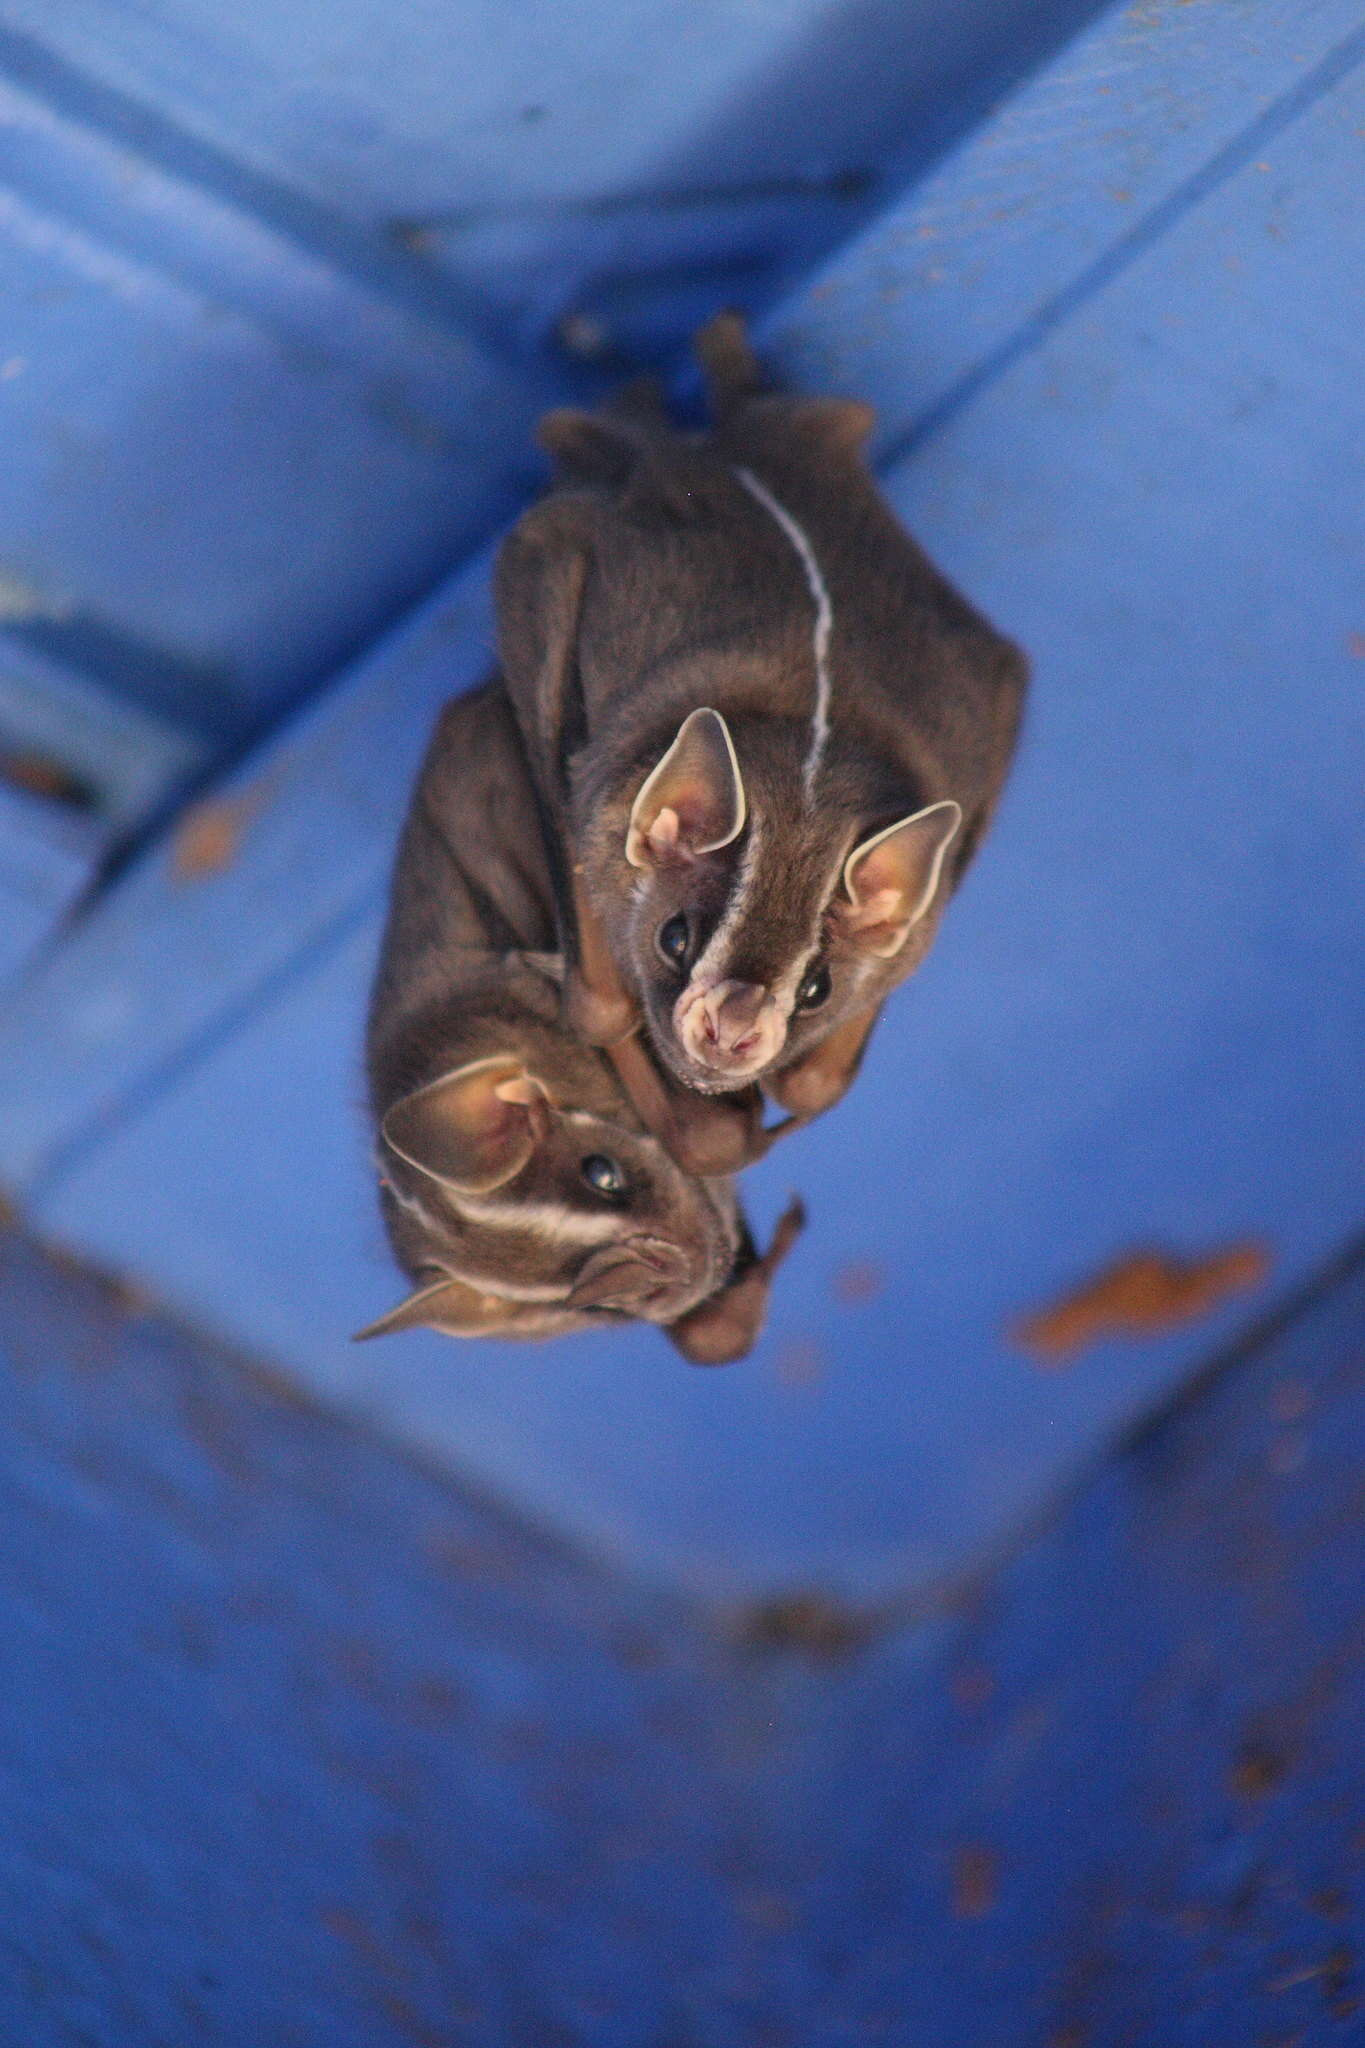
(734,1028)
(633,1277)
(732,1024)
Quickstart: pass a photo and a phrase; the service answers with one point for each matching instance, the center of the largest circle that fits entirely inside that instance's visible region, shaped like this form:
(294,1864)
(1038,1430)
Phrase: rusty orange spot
(859,1280)
(40,775)
(346,1926)
(1356,644)
(972,1686)
(1257,1771)
(800,1362)
(1146,1291)
(207,838)
(976,1881)
(1291,1401)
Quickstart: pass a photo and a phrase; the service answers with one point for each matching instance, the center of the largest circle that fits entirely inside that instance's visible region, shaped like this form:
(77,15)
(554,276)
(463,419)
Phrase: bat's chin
(715,1080)
(698,1076)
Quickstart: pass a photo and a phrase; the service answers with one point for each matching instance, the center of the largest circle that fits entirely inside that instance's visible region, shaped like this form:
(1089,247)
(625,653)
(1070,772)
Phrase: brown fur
(467,973)
(650,583)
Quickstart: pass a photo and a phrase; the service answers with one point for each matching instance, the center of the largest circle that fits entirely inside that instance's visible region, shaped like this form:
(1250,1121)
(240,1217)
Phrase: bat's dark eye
(674,940)
(815,988)
(604,1177)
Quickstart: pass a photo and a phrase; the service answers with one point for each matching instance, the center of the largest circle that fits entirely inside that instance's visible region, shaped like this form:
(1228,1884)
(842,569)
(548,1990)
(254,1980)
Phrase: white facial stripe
(558,1221)
(548,1294)
(710,968)
(553,1220)
(412,1207)
(784,991)
(824,622)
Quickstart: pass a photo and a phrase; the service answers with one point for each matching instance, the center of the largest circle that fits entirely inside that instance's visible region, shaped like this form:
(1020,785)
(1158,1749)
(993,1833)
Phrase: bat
(769,735)
(522,1194)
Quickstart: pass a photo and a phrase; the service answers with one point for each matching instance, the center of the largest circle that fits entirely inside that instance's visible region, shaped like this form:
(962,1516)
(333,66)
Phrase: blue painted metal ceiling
(286,291)
(286,287)
(303,1747)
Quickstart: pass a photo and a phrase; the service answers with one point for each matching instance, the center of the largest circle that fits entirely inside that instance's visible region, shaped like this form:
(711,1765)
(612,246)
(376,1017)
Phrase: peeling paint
(1144,1293)
(209,836)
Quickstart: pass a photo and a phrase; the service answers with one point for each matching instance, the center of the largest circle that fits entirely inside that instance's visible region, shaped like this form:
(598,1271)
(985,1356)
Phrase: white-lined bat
(521,1191)
(769,733)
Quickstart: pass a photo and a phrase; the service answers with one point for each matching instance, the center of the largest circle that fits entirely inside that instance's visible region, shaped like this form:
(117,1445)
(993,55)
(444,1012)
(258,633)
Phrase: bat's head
(758,920)
(521,1215)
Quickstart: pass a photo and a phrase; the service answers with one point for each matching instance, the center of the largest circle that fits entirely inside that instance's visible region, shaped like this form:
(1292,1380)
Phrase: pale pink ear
(472,1129)
(891,878)
(693,802)
(449,1305)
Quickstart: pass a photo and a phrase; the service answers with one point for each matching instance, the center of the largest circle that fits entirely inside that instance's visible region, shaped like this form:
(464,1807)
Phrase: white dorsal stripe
(710,968)
(824,621)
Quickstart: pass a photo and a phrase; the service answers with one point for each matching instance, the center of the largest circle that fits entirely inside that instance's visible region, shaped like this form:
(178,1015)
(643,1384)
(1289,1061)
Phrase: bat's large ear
(693,801)
(472,1129)
(728,1326)
(834,426)
(448,1305)
(739,392)
(728,363)
(626,449)
(890,879)
(593,448)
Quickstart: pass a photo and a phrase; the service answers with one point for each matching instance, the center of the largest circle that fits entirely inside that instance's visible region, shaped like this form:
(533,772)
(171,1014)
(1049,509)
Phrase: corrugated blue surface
(299,1745)
(284,289)
(611,165)
(230,458)
(283,284)
(45,862)
(1120,390)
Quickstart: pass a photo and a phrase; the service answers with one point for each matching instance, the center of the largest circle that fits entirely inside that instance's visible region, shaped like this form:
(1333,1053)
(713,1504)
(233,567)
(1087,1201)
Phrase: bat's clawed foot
(814,1084)
(727,1327)
(597,1016)
(807,1090)
(711,1137)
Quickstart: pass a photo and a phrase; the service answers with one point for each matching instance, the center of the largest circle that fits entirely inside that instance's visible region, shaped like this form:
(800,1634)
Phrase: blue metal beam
(1143,1021)
(303,1745)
